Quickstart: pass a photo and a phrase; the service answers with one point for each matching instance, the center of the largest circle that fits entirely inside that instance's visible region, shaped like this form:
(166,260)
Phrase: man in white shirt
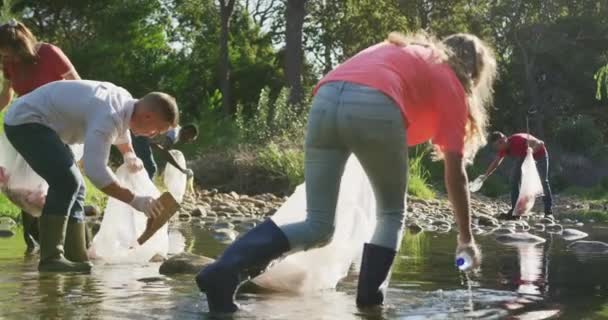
(41,125)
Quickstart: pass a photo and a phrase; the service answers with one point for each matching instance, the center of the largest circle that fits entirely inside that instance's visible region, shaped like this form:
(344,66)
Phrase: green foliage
(579,134)
(272,120)
(601,78)
(597,216)
(598,192)
(283,162)
(8,209)
(418,182)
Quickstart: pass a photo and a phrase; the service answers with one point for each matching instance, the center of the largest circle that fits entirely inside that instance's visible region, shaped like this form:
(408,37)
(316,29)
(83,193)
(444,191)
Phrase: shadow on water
(517,281)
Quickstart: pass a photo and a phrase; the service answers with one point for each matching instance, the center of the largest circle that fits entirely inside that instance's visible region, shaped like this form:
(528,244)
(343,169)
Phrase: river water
(516,282)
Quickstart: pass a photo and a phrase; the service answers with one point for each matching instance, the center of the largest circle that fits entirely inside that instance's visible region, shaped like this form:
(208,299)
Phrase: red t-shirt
(51,66)
(430,96)
(518,145)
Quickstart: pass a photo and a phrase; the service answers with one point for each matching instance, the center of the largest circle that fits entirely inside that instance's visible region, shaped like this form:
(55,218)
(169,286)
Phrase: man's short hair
(495,136)
(163,104)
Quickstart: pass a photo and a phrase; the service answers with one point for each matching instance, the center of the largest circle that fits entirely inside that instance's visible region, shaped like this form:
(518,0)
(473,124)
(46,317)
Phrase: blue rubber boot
(247,257)
(374,275)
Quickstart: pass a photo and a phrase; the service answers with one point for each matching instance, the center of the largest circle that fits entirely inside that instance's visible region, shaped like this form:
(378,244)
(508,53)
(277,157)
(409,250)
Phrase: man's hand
(134,164)
(149,206)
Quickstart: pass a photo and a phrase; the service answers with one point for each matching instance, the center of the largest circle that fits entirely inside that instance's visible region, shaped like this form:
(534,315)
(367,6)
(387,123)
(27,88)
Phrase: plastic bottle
(463,261)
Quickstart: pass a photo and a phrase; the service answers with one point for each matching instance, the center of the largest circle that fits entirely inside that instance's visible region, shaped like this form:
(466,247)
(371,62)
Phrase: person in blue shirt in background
(173,138)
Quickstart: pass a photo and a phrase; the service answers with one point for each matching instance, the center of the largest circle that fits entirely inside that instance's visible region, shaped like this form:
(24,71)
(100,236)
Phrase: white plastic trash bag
(116,241)
(18,181)
(530,186)
(175,180)
(322,268)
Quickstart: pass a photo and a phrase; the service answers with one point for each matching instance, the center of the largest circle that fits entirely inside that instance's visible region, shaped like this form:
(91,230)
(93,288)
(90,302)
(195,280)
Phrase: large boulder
(184,263)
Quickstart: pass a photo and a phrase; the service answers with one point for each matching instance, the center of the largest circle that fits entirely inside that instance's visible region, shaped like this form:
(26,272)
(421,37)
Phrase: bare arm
(6,95)
(125,148)
(71,75)
(116,191)
(536,144)
(456,182)
(493,165)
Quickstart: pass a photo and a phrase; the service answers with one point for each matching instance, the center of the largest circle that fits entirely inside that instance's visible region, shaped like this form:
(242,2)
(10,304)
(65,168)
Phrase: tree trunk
(295,13)
(536,102)
(226,8)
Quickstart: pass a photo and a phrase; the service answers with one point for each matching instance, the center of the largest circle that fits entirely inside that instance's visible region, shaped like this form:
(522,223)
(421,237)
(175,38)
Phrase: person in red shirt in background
(516,147)
(26,65)
(404,91)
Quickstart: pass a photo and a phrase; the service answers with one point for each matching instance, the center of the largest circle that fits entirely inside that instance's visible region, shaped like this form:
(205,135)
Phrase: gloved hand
(147,205)
(470,249)
(134,164)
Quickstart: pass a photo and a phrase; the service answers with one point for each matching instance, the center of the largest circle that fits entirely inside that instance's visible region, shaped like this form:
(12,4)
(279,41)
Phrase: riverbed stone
(519,237)
(573,234)
(225,235)
(184,263)
(199,211)
(583,246)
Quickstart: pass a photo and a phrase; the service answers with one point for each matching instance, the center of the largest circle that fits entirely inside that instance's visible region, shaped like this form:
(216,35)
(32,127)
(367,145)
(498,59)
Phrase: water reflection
(519,281)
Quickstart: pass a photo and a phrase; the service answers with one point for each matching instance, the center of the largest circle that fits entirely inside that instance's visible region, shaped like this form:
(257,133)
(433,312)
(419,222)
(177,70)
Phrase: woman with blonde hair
(402,92)
(26,65)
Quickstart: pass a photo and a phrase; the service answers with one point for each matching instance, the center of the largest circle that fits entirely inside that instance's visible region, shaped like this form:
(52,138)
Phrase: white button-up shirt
(80,111)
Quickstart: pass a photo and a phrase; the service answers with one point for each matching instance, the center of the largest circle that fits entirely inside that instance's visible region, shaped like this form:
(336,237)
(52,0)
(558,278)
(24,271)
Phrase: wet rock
(7,223)
(199,211)
(184,216)
(184,263)
(225,235)
(579,224)
(573,234)
(546,220)
(591,221)
(503,230)
(520,237)
(583,246)
(223,225)
(151,279)
(554,228)
(430,228)
(486,220)
(209,219)
(6,233)
(414,228)
(91,211)
(157,258)
(539,227)
(567,220)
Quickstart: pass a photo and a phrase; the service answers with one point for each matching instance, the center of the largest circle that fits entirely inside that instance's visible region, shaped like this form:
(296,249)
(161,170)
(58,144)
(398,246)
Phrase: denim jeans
(348,118)
(542,165)
(52,160)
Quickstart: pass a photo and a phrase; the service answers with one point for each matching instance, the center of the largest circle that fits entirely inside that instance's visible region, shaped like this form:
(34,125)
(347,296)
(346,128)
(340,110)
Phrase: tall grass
(419,176)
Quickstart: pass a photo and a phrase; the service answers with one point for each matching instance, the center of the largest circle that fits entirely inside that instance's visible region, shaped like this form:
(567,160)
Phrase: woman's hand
(470,249)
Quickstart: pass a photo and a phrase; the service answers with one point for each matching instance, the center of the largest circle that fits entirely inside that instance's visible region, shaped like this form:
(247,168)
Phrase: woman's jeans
(52,160)
(348,118)
(542,165)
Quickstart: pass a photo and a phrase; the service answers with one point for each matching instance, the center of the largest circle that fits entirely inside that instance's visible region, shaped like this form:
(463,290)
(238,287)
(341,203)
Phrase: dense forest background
(244,69)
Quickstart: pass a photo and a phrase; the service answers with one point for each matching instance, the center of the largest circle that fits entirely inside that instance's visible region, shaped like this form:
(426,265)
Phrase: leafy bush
(286,162)
(273,120)
(418,182)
